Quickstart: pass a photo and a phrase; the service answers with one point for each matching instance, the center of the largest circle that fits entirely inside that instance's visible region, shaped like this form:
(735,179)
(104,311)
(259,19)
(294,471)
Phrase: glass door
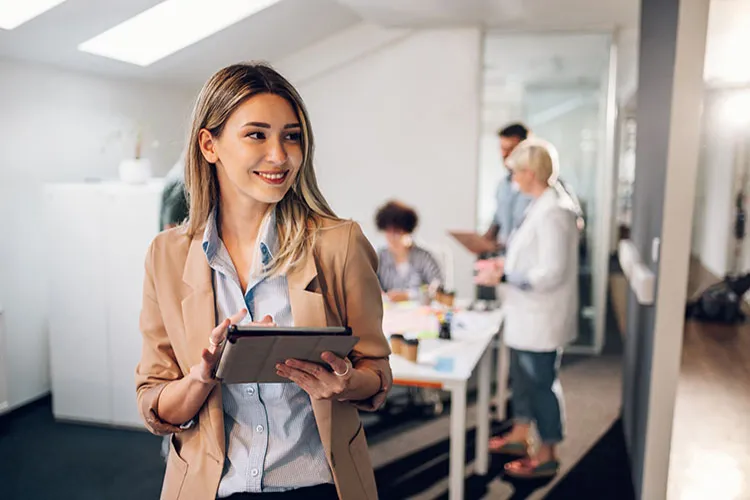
(560,87)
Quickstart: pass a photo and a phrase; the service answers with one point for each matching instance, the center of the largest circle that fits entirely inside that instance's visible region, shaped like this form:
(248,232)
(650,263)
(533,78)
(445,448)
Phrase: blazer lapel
(308,307)
(198,304)
(198,312)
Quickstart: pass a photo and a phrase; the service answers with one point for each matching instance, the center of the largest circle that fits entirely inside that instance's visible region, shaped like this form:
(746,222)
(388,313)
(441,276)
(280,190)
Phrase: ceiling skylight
(14,13)
(168,27)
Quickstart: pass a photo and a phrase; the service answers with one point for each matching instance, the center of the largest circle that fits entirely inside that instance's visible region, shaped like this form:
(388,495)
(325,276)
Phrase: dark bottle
(445,327)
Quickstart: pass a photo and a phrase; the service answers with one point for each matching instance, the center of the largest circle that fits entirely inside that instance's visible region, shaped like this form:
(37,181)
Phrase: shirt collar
(269,241)
(211,240)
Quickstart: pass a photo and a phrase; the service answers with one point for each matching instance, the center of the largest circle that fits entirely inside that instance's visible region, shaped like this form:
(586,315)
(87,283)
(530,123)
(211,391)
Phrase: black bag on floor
(720,303)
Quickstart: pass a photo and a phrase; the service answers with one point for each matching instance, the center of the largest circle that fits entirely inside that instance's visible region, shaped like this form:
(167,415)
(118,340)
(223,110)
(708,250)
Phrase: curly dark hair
(396,215)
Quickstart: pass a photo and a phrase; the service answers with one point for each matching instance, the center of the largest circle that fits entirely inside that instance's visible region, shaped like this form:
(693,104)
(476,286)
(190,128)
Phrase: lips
(274,178)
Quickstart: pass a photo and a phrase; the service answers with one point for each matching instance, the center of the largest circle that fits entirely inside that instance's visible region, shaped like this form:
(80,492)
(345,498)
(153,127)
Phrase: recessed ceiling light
(168,27)
(14,13)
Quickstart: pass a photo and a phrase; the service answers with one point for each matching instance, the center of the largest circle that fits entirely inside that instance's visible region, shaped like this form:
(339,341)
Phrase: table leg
(483,415)
(458,442)
(503,366)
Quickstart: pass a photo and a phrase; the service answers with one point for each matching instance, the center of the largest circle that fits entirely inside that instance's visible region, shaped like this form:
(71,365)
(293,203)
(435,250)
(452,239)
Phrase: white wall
(398,119)
(713,219)
(60,126)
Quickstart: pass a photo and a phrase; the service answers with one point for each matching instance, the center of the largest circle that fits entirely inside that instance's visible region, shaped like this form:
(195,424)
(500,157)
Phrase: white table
(469,348)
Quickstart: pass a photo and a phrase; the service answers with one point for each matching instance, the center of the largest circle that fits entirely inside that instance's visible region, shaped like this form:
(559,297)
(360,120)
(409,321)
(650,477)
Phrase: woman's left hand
(317,381)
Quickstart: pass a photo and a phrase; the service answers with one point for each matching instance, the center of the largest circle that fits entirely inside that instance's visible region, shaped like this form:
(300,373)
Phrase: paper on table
(409,321)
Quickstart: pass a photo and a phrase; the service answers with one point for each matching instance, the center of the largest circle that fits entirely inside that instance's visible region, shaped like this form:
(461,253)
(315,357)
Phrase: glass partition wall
(561,87)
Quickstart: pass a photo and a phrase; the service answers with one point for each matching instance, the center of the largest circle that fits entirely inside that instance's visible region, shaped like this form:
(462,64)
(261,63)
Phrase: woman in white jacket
(540,276)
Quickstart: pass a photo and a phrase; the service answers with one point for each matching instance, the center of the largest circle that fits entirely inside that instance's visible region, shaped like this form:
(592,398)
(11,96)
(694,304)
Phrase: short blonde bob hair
(536,155)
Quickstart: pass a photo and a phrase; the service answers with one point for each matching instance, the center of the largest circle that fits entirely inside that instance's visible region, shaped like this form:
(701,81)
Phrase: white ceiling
(505,14)
(278,31)
(292,25)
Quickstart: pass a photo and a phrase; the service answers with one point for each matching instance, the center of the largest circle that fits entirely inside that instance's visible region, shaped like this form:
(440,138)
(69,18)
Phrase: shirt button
(254,472)
(251,390)
(259,428)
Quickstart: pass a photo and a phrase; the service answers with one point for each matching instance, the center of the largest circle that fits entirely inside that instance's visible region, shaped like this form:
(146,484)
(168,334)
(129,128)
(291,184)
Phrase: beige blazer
(337,287)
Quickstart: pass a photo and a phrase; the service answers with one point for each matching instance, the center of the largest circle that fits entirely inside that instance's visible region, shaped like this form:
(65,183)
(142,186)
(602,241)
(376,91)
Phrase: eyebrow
(266,125)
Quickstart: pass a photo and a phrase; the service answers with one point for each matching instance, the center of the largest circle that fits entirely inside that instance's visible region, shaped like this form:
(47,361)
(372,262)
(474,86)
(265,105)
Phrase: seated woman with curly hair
(404,267)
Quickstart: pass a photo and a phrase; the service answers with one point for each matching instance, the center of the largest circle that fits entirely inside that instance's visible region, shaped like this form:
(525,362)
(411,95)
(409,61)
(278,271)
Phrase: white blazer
(544,251)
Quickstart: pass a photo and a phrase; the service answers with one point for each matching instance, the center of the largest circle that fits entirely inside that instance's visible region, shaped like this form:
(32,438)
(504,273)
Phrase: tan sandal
(503,445)
(528,468)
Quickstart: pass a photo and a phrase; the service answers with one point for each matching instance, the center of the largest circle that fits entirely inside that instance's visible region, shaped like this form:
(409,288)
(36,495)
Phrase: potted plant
(136,170)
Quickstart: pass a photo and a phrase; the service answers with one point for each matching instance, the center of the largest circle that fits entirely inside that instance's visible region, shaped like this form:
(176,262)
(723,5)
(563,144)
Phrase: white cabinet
(98,235)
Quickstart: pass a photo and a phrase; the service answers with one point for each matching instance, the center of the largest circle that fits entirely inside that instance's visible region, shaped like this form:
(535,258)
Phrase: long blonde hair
(299,214)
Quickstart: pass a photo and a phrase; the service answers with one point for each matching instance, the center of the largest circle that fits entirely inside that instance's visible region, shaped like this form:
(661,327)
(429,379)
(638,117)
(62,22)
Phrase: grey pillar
(670,83)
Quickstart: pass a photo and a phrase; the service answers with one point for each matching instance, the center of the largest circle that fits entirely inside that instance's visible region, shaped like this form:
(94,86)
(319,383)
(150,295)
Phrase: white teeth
(273,177)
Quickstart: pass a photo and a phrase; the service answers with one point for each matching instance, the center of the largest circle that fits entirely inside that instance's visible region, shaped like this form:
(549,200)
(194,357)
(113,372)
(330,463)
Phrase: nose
(276,154)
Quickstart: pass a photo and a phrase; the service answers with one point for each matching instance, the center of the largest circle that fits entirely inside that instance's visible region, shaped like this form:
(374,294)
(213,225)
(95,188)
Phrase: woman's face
(259,152)
(396,238)
(524,178)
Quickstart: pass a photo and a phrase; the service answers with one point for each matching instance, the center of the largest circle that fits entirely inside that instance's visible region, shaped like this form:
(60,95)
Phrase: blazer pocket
(361,459)
(174,477)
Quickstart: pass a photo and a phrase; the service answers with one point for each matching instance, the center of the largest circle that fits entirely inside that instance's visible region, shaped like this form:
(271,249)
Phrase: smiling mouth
(273,178)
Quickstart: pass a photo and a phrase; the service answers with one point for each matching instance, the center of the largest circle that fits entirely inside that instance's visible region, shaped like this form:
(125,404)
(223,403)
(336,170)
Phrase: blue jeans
(537,393)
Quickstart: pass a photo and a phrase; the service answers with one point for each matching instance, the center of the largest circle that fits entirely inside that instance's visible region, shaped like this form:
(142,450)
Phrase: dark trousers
(319,492)
(537,394)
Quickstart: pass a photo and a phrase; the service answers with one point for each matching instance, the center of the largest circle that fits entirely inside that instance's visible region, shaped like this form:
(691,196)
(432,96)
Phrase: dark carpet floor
(42,459)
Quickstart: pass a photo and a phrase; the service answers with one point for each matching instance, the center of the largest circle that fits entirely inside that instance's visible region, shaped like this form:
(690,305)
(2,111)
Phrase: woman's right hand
(204,370)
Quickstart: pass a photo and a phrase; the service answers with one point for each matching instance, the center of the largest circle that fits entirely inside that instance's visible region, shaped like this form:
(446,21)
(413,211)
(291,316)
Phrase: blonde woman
(540,273)
(260,245)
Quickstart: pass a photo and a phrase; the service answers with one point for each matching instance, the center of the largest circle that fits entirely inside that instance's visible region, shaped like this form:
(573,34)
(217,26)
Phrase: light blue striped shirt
(511,208)
(272,440)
